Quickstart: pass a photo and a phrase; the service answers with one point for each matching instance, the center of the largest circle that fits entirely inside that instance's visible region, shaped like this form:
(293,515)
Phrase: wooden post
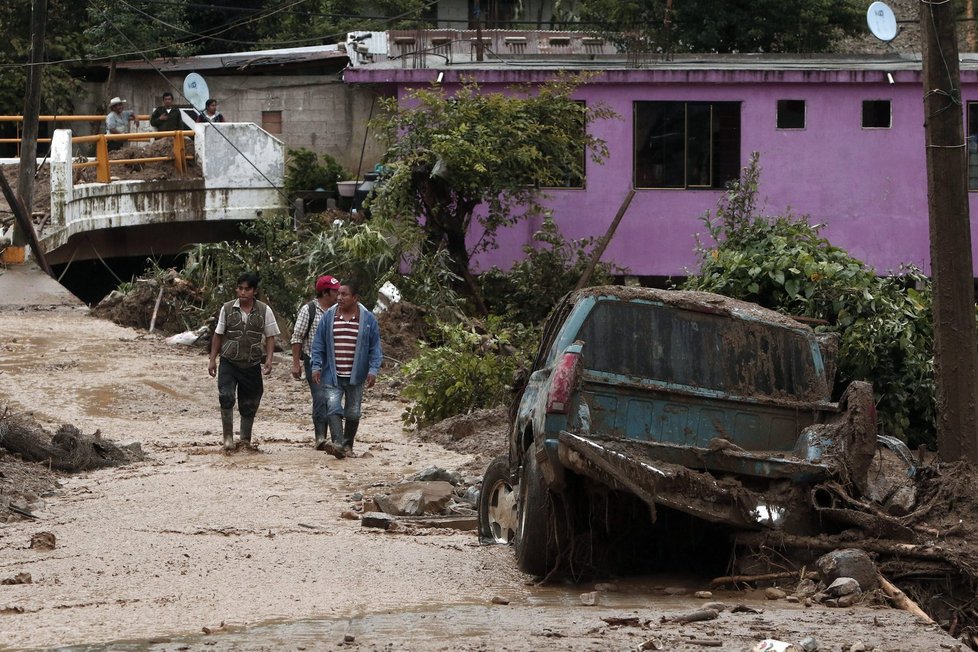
(102,174)
(24,222)
(955,341)
(586,276)
(32,109)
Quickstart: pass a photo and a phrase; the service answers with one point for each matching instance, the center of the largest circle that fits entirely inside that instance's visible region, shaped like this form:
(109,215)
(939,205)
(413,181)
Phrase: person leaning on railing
(118,120)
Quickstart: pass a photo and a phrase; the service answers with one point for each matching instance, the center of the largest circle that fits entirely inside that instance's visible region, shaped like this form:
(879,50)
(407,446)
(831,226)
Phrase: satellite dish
(882,22)
(196,92)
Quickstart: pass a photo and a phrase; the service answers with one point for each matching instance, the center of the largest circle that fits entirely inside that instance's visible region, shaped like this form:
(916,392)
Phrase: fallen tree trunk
(901,600)
(67,450)
(880,546)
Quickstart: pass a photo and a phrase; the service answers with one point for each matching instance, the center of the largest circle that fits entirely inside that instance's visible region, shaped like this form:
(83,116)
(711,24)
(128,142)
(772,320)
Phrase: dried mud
(257,549)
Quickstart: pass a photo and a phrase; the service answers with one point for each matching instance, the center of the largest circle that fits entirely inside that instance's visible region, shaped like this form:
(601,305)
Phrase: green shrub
(884,323)
(306,170)
(470,368)
(550,269)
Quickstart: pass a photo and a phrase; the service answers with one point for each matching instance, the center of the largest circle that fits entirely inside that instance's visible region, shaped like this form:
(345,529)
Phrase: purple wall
(868,186)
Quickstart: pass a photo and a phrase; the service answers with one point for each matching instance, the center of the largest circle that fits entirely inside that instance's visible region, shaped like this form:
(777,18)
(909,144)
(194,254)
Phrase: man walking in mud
(244,336)
(306,323)
(346,357)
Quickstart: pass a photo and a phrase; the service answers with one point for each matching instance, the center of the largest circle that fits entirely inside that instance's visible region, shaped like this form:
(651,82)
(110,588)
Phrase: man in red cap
(306,322)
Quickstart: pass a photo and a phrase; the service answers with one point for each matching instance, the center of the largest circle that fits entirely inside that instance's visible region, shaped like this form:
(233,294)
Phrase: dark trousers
(244,382)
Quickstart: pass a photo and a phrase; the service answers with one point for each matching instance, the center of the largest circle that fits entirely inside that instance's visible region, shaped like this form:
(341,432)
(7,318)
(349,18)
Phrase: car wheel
(538,508)
(497,504)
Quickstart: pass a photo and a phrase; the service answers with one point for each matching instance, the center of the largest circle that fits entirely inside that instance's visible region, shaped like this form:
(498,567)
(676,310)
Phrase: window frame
(889,104)
(804,115)
(715,126)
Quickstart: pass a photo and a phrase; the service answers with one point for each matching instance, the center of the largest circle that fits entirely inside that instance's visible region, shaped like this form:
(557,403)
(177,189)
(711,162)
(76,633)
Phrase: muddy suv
(683,402)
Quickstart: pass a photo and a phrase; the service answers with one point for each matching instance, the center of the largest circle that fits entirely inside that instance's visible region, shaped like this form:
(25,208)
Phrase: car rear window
(698,349)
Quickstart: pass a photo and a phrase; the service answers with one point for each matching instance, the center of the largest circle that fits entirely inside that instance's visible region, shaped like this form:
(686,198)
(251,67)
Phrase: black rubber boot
(335,422)
(227,426)
(320,428)
(349,432)
(334,446)
(246,425)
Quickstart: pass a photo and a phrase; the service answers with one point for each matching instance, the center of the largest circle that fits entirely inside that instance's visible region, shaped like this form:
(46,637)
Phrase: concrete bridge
(243,168)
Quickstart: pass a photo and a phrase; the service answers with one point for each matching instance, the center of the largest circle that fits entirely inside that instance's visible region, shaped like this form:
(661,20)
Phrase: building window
(686,144)
(791,114)
(877,114)
(271,121)
(972,145)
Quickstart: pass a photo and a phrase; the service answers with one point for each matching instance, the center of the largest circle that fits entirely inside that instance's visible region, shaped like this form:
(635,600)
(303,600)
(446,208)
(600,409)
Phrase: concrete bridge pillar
(61,177)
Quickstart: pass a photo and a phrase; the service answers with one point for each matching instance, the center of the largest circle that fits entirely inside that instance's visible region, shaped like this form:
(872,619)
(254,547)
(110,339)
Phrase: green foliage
(306,170)
(472,368)
(448,155)
(783,263)
(289,262)
(122,31)
(328,21)
(730,26)
(63,40)
(550,268)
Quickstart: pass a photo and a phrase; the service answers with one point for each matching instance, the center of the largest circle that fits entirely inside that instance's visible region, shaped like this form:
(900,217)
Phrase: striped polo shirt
(345,343)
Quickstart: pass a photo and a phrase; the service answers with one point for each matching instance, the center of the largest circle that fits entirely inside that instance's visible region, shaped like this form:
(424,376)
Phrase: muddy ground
(196,549)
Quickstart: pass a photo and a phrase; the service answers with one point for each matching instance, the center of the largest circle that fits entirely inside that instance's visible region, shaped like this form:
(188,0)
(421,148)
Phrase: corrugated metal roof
(242,60)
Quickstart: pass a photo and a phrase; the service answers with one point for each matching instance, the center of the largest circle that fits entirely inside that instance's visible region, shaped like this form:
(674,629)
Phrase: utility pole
(955,340)
(32,109)
(478,32)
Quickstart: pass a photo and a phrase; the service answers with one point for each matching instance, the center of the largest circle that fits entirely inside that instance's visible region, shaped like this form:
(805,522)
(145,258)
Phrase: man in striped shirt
(346,357)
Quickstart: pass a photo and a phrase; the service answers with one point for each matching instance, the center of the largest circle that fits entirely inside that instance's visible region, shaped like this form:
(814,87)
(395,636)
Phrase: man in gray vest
(244,336)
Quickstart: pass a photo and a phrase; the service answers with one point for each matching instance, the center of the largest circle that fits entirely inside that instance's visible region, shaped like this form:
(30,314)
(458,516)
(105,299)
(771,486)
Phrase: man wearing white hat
(117,122)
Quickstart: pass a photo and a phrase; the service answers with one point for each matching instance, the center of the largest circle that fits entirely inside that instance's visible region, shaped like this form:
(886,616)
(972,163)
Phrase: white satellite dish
(196,91)
(882,22)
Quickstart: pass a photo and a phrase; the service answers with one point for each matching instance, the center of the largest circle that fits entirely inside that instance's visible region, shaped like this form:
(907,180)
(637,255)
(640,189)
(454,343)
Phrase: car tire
(498,515)
(538,509)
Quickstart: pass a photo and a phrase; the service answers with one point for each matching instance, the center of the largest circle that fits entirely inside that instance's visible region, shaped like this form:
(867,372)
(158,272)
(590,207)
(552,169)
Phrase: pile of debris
(432,498)
(30,456)
(919,543)
(166,302)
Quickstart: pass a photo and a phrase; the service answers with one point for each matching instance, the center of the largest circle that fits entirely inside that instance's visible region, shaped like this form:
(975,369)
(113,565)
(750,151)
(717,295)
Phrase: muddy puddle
(543,614)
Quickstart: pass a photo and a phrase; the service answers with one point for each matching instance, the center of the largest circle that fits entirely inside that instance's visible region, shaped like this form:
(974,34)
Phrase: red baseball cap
(326,282)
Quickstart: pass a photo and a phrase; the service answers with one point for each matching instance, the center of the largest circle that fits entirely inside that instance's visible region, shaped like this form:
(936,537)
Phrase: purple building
(841,139)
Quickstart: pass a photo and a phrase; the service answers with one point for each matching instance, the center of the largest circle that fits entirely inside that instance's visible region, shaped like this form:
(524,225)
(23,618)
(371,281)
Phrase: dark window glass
(876,114)
(791,114)
(695,349)
(686,144)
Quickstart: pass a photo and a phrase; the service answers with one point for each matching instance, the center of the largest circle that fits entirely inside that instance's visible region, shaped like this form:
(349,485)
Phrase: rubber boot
(349,432)
(246,424)
(335,422)
(320,428)
(227,425)
(334,447)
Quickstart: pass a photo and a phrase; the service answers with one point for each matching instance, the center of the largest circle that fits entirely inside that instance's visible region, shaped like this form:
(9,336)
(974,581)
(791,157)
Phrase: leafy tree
(724,26)
(783,263)
(65,41)
(138,28)
(328,21)
(455,161)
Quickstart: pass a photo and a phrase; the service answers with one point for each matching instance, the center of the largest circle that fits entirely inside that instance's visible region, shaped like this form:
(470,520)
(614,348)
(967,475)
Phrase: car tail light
(563,380)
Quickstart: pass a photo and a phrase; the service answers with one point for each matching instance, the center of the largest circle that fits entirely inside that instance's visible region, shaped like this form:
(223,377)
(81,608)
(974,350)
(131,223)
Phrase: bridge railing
(17,119)
(102,162)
